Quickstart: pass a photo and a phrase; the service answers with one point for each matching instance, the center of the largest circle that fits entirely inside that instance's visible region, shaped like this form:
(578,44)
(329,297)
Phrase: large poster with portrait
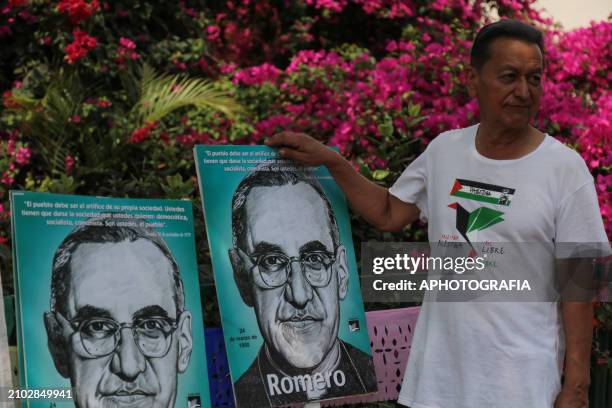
(286,278)
(108,302)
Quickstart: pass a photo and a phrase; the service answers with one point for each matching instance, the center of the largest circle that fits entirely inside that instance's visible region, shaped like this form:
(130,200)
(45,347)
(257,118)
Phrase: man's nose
(521,88)
(298,291)
(128,361)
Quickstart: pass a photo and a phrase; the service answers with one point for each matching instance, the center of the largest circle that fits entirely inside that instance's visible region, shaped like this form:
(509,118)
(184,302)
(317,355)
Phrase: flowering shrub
(602,321)
(15,154)
(378,79)
(78,10)
(81,45)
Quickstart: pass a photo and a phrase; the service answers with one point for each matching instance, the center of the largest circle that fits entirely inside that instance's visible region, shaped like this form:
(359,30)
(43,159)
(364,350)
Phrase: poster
(286,278)
(108,302)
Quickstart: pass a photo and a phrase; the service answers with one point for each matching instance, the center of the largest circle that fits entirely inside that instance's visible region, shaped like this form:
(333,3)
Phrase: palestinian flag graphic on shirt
(487,193)
(482,217)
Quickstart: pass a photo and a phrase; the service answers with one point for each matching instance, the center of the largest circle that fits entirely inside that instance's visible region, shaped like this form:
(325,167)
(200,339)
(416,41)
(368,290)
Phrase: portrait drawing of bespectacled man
(290,266)
(118,327)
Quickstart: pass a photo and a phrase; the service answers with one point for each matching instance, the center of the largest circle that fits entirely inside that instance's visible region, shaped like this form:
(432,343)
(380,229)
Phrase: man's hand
(572,397)
(303,149)
(368,199)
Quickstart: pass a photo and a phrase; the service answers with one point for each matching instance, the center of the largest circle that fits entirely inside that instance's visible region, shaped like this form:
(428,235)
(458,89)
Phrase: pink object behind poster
(390,338)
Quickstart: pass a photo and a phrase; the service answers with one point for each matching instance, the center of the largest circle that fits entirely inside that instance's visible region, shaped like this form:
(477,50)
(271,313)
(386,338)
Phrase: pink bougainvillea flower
(17,3)
(22,155)
(333,5)
(227,69)
(257,75)
(69,163)
(81,45)
(8,101)
(127,43)
(213,33)
(78,10)
(143,133)
(101,103)
(126,50)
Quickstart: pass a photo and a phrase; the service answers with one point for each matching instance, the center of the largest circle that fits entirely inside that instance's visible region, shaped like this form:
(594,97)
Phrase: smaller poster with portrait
(108,302)
(286,278)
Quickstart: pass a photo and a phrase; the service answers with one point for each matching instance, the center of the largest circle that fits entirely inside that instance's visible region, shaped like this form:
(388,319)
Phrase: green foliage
(175,187)
(161,95)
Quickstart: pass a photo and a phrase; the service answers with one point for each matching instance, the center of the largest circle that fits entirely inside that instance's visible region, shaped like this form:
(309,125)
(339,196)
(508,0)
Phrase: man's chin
(300,342)
(129,401)
(302,330)
(518,120)
(301,355)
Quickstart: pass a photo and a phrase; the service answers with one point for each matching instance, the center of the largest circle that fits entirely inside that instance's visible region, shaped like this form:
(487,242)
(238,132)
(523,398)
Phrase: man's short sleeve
(411,186)
(579,226)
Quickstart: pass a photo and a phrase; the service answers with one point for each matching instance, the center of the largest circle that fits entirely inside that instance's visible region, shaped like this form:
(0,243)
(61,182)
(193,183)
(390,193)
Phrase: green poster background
(35,243)
(217,186)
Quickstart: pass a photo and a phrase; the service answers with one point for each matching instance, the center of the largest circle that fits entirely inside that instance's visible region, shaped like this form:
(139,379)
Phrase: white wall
(576,13)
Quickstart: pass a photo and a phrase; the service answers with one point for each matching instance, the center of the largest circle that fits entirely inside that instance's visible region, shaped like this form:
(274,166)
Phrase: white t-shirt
(495,354)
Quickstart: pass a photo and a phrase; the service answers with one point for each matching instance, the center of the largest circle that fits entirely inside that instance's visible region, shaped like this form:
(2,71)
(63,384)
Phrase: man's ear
(185,341)
(241,275)
(57,344)
(472,81)
(342,272)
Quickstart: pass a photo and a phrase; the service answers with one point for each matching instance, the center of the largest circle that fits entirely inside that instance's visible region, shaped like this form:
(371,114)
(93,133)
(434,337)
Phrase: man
(290,267)
(118,327)
(471,355)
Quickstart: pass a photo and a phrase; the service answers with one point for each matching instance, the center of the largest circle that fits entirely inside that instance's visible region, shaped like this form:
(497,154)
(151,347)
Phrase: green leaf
(176,187)
(386,128)
(48,118)
(556,127)
(162,94)
(363,168)
(380,174)
(414,109)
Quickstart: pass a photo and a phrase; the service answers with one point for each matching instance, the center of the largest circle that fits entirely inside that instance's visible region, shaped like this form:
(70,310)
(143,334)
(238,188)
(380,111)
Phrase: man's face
(125,282)
(508,86)
(298,321)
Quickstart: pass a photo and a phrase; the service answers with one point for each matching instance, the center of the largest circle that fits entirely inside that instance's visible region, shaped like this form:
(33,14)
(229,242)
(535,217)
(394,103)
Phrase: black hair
(502,29)
(275,172)
(106,230)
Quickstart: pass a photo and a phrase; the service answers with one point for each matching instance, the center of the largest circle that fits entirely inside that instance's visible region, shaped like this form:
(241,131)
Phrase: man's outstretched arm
(371,201)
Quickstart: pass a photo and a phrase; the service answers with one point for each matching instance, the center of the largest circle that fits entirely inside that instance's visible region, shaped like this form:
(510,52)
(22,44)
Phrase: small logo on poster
(353,325)
(193,401)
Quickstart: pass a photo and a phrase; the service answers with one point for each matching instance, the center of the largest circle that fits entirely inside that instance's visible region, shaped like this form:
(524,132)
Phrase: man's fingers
(281,138)
(295,146)
(290,139)
(292,154)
